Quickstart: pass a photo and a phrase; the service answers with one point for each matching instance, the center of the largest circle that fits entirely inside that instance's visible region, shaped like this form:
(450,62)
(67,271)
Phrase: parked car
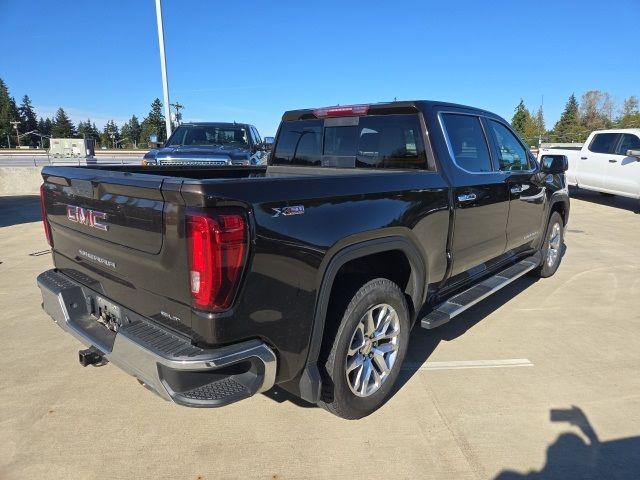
(608,162)
(211,144)
(209,284)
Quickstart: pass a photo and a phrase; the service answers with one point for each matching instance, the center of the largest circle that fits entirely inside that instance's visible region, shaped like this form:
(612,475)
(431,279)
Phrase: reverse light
(344,111)
(45,221)
(217,248)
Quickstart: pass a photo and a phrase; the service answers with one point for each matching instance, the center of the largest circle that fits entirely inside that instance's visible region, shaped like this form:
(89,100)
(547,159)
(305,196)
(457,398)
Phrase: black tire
(338,396)
(549,267)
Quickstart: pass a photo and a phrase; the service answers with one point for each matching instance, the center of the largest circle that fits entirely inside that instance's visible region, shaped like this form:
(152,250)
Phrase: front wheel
(552,247)
(367,351)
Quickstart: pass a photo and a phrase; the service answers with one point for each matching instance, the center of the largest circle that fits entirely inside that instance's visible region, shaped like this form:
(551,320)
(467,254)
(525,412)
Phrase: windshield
(209,135)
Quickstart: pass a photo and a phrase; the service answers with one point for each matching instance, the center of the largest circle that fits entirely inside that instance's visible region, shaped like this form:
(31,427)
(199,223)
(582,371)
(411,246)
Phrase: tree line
(596,110)
(34,131)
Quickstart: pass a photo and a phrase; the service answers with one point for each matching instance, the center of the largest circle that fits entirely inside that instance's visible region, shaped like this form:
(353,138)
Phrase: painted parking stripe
(462,364)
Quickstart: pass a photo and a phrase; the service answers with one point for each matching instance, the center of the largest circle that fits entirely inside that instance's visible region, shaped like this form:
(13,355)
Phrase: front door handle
(516,189)
(613,161)
(583,158)
(467,197)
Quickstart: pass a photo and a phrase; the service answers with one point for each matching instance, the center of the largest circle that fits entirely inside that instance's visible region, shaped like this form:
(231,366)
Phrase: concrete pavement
(573,412)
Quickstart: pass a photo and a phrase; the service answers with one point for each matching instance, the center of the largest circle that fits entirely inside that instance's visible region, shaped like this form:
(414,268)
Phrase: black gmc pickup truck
(211,284)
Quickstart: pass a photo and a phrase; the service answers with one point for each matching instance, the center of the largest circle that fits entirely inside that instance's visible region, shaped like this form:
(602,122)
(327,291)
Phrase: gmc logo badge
(87,217)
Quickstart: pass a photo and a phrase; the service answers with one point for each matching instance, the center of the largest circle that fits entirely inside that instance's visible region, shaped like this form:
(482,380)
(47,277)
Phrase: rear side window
(511,154)
(603,142)
(299,143)
(627,142)
(377,141)
(390,141)
(468,143)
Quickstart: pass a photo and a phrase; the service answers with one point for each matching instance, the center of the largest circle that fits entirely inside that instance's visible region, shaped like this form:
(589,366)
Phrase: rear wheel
(367,352)
(552,247)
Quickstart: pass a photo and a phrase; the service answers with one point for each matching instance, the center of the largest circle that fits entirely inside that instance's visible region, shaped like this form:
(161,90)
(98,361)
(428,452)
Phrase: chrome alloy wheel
(373,350)
(553,251)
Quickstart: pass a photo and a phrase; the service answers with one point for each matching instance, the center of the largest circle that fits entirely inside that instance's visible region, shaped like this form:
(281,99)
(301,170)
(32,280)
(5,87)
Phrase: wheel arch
(337,257)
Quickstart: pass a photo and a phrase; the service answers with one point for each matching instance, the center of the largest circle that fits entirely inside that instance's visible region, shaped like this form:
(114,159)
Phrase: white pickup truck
(608,162)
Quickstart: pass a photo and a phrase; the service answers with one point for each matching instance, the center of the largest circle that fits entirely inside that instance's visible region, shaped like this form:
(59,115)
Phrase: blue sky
(249,61)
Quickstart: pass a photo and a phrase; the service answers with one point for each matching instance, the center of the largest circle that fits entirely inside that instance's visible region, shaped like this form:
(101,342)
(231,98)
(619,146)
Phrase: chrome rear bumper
(163,361)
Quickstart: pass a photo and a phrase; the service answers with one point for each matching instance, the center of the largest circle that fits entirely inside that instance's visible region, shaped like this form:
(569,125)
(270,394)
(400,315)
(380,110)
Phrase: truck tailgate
(122,235)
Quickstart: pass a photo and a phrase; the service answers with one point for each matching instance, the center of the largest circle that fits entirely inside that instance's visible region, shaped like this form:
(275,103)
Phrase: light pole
(15,125)
(163,67)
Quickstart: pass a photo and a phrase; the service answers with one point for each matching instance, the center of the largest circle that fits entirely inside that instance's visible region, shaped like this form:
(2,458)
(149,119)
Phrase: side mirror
(268,143)
(554,164)
(634,153)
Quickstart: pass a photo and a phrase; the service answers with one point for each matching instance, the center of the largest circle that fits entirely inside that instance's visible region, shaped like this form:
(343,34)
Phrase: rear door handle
(583,158)
(613,161)
(516,189)
(467,197)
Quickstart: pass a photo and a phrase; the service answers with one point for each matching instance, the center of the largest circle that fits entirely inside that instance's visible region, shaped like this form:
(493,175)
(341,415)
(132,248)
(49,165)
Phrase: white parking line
(456,365)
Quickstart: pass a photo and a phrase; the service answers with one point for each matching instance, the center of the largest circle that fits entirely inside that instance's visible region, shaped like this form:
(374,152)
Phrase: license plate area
(107,313)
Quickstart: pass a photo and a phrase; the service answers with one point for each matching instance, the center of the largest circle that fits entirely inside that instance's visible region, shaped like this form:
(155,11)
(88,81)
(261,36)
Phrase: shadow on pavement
(19,209)
(615,201)
(570,456)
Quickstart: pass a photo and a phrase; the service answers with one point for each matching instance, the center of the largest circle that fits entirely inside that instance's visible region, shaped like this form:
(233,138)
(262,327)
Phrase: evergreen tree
(88,130)
(131,131)
(539,124)
(524,124)
(29,121)
(110,135)
(62,126)
(153,124)
(44,128)
(8,114)
(521,119)
(567,129)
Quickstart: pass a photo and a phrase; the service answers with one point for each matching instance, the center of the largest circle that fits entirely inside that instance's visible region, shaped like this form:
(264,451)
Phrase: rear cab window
(375,141)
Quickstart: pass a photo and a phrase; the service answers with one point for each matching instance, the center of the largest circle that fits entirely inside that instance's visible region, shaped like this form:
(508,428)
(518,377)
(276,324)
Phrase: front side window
(512,156)
(256,136)
(468,143)
(299,143)
(603,142)
(627,142)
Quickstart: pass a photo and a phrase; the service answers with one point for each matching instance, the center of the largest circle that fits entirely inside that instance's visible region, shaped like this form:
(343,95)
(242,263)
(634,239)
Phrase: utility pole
(163,67)
(15,125)
(178,117)
(539,124)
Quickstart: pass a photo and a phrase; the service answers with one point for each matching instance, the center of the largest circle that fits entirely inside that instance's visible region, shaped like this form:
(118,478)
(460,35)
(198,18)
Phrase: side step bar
(457,304)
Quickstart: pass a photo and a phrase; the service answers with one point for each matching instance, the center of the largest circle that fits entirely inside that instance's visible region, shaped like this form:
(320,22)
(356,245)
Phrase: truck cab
(608,162)
(211,143)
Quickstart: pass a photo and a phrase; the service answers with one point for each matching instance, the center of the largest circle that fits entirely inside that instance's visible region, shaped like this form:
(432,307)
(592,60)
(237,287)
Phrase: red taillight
(217,247)
(345,111)
(45,222)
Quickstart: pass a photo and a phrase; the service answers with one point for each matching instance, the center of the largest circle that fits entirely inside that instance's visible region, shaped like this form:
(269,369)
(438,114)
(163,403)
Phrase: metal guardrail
(44,160)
